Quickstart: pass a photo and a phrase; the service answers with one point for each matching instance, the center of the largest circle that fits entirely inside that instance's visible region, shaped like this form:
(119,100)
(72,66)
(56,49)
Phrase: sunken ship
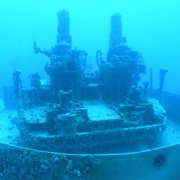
(81,108)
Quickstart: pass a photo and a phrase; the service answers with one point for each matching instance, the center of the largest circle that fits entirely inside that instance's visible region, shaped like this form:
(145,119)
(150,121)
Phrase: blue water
(151,27)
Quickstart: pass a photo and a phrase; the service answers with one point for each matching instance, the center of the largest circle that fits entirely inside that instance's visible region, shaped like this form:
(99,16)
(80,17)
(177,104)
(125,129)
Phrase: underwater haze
(151,27)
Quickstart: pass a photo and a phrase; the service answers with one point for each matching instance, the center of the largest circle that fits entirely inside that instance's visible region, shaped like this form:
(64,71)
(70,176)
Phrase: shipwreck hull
(79,141)
(94,125)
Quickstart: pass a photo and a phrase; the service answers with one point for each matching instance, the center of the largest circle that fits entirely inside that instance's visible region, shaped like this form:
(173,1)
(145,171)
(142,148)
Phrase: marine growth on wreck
(79,109)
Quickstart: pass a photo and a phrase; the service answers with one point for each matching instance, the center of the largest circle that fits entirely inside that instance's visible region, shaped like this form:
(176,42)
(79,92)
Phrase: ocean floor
(9,134)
